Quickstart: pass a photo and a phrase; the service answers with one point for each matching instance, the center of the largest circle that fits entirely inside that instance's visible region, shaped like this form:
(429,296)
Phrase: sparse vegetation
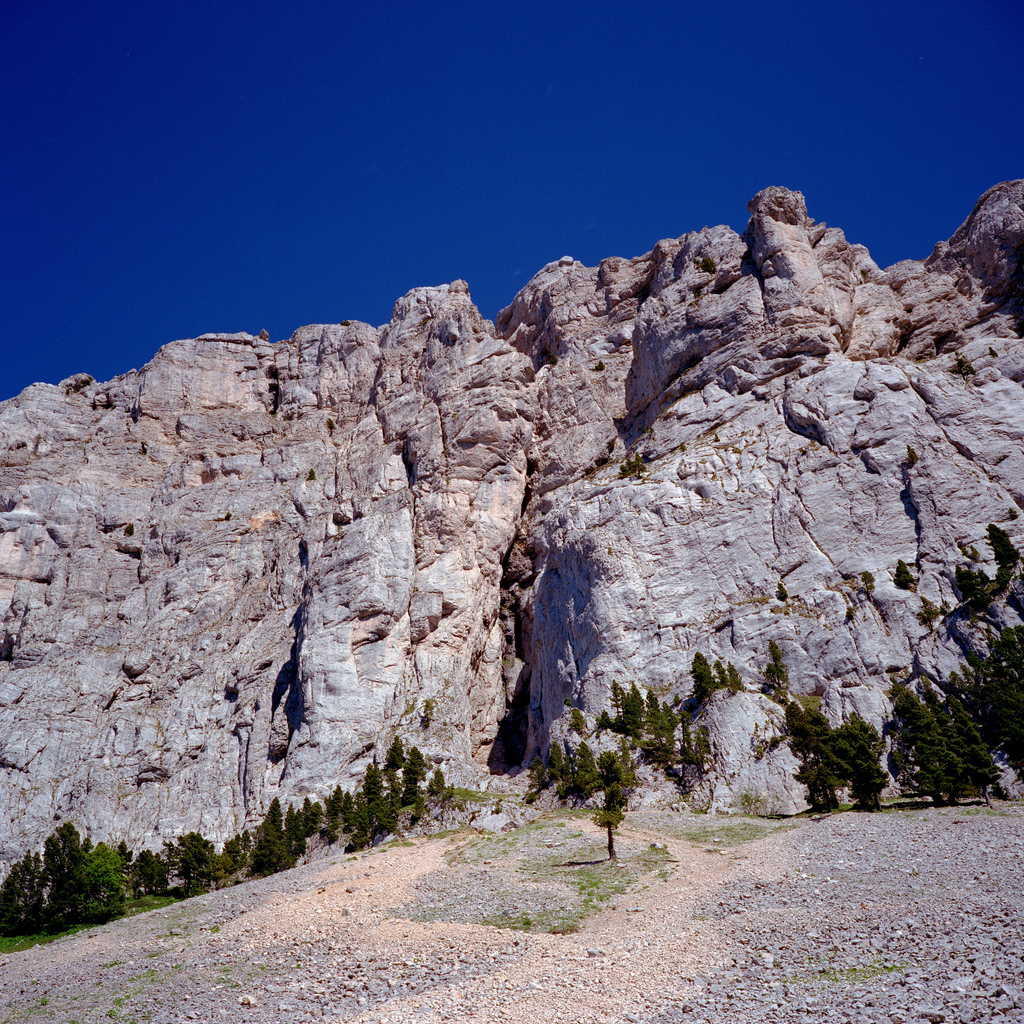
(903,577)
(963,367)
(634,466)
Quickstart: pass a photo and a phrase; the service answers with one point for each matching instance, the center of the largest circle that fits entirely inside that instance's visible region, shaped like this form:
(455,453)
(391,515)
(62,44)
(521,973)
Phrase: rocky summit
(241,571)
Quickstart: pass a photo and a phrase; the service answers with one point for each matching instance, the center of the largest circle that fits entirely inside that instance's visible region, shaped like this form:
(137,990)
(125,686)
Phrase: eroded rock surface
(240,571)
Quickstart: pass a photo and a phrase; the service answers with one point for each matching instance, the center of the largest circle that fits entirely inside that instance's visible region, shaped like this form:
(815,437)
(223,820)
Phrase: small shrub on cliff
(902,577)
(634,466)
(963,367)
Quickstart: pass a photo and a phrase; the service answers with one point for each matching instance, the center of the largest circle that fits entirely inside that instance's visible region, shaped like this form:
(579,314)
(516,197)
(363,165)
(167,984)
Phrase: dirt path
(701,919)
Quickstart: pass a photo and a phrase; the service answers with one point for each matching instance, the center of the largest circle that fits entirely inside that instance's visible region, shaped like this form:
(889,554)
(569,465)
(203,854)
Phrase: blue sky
(170,169)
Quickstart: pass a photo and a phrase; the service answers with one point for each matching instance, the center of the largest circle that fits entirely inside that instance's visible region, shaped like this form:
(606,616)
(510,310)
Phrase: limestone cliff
(238,572)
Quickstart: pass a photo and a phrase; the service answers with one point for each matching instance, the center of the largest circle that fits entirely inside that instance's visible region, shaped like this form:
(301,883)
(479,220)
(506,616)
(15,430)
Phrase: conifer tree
(776,675)
(270,852)
(819,769)
(23,897)
(610,815)
(190,857)
(63,872)
(1005,554)
(537,774)
(633,714)
(413,775)
(977,765)
(703,680)
(727,678)
(903,578)
(585,777)
(394,760)
(378,807)
(149,874)
(556,762)
(295,833)
(436,788)
(857,747)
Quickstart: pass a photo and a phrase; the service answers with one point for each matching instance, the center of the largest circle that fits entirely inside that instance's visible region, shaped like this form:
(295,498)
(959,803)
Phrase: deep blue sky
(169,169)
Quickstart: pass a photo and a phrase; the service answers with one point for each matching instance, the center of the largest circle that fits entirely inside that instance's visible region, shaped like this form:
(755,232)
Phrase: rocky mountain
(240,571)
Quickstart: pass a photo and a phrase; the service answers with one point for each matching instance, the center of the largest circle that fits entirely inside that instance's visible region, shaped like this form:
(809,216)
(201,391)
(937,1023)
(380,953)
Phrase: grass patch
(146,903)
(18,943)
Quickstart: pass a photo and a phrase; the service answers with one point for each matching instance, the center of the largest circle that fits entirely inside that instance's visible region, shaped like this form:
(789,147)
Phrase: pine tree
(857,747)
(537,774)
(63,872)
(727,678)
(348,811)
(660,728)
(610,815)
(149,874)
(312,817)
(585,777)
(378,807)
(618,705)
(190,857)
(979,770)
(819,769)
(1005,554)
(362,827)
(703,680)
(270,852)
(394,797)
(394,760)
(295,833)
(776,675)
(998,696)
(633,714)
(436,788)
(22,897)
(556,762)
(929,761)
(413,775)
(903,578)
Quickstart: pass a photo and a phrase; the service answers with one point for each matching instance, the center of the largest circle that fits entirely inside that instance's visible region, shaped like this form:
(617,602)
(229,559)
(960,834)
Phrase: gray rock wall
(238,572)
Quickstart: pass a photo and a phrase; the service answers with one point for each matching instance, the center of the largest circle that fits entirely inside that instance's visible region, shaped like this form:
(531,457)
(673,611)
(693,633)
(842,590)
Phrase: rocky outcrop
(240,571)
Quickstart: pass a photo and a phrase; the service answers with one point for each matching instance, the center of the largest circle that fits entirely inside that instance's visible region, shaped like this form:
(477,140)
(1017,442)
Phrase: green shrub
(311,475)
(963,367)
(577,722)
(129,530)
(911,456)
(781,593)
(868,580)
(929,613)
(705,264)
(634,466)
(903,578)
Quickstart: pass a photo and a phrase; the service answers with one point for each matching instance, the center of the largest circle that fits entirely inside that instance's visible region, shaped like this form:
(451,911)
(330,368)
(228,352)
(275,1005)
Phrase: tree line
(941,743)
(75,883)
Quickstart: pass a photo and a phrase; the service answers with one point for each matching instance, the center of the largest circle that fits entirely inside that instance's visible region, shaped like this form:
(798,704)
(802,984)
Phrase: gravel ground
(905,916)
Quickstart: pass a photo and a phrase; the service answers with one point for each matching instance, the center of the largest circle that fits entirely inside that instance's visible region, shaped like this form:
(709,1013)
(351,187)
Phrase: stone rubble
(905,916)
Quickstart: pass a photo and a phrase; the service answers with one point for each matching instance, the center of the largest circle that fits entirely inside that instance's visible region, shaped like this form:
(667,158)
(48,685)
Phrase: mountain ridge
(241,570)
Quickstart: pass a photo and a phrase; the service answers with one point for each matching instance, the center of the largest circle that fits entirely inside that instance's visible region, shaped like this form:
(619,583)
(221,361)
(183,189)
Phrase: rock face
(239,572)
